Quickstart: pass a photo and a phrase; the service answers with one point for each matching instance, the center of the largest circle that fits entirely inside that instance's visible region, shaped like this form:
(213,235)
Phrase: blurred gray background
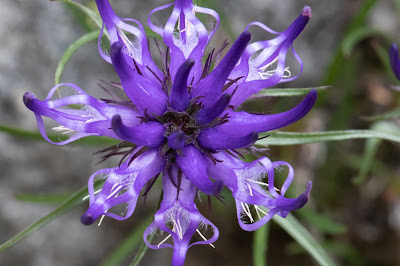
(34,35)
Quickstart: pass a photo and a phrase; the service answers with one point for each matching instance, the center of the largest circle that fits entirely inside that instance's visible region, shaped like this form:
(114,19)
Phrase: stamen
(251,191)
(258,213)
(62,128)
(204,238)
(246,209)
(84,198)
(165,239)
(102,218)
(115,192)
(262,184)
(259,209)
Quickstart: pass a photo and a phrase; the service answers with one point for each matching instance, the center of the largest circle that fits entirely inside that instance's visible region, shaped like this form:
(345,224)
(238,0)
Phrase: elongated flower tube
(179,218)
(394,60)
(179,121)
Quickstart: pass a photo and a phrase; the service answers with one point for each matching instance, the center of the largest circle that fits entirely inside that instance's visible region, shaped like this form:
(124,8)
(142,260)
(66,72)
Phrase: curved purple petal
(248,189)
(207,115)
(257,62)
(149,134)
(176,140)
(137,49)
(180,219)
(194,167)
(241,123)
(394,60)
(93,119)
(192,39)
(123,185)
(211,86)
(144,93)
(215,139)
(179,97)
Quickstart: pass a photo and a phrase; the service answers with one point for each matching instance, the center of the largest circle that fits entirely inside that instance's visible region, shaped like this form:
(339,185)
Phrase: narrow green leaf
(357,22)
(286,92)
(394,114)
(35,135)
(371,146)
(294,228)
(128,245)
(142,251)
(71,50)
(277,138)
(321,222)
(42,198)
(95,17)
(260,245)
(357,36)
(66,206)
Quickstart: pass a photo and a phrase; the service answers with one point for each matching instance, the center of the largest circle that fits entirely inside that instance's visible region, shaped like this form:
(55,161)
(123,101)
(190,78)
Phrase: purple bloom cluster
(180,121)
(394,60)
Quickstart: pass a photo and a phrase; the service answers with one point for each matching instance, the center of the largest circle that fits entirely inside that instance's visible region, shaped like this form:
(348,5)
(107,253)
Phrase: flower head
(180,120)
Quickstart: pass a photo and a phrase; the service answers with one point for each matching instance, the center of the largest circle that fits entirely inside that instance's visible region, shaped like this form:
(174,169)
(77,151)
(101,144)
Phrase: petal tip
(306,12)
(87,219)
(28,98)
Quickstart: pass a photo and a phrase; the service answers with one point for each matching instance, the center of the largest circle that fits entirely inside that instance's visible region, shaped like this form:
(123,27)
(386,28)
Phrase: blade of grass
(95,17)
(299,233)
(278,138)
(35,135)
(371,146)
(71,50)
(260,245)
(286,92)
(42,198)
(73,201)
(128,245)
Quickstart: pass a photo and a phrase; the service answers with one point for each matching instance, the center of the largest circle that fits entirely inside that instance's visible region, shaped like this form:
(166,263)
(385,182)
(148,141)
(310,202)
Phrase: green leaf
(71,50)
(357,22)
(371,146)
(42,198)
(278,138)
(357,36)
(35,135)
(321,222)
(95,17)
(294,228)
(287,92)
(260,245)
(128,245)
(67,205)
(142,251)
(394,114)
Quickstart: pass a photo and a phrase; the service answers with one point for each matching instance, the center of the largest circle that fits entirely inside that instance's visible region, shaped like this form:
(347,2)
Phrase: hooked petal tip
(28,98)
(306,12)
(87,219)
(116,122)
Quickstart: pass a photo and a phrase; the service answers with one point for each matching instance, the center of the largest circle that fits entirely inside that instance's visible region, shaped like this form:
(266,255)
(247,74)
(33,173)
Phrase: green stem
(260,245)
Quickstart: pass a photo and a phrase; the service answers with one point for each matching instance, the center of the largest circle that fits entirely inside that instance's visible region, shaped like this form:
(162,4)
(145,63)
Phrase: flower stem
(260,245)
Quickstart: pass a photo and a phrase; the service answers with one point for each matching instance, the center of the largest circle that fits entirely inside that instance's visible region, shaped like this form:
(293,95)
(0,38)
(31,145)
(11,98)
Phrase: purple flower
(394,60)
(181,121)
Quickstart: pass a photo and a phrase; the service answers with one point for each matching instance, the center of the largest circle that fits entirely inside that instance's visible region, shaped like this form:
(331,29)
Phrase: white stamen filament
(115,192)
(246,210)
(259,209)
(62,128)
(262,184)
(204,238)
(177,228)
(258,213)
(250,190)
(165,239)
(102,218)
(84,198)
